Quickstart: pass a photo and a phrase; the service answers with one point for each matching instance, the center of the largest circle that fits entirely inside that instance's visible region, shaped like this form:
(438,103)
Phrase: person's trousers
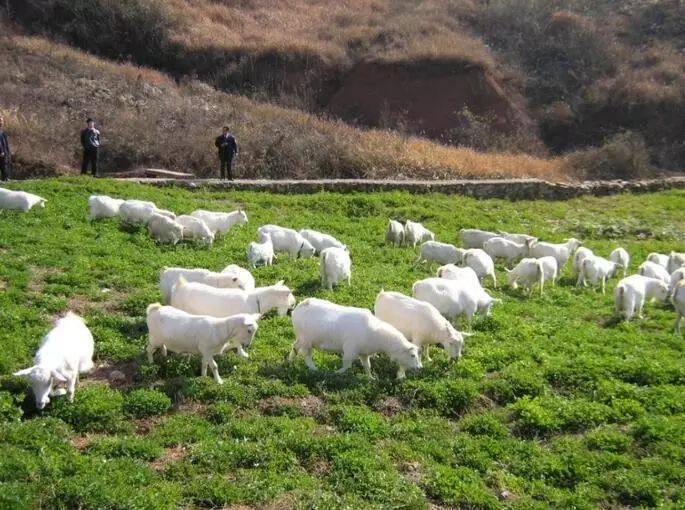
(225,171)
(90,158)
(4,170)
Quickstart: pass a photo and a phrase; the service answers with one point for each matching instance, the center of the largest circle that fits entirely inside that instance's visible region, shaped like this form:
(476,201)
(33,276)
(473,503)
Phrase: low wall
(512,189)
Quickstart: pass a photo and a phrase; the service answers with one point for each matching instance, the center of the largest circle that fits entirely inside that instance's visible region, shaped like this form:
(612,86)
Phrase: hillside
(553,404)
(47,90)
(600,82)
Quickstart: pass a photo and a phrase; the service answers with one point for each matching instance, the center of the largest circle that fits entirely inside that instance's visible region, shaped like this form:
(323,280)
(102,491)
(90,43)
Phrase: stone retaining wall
(512,189)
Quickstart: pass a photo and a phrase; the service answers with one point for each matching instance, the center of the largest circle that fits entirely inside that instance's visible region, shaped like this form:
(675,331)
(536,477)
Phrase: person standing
(4,152)
(90,140)
(228,148)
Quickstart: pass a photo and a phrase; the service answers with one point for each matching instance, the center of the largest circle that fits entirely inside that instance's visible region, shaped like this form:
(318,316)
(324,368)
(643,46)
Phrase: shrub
(95,409)
(131,446)
(9,411)
(485,424)
(622,156)
(608,439)
(142,403)
(138,28)
(359,419)
(460,486)
(447,397)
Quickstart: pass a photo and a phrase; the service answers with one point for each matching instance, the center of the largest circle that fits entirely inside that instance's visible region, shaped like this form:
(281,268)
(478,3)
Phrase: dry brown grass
(146,119)
(338,31)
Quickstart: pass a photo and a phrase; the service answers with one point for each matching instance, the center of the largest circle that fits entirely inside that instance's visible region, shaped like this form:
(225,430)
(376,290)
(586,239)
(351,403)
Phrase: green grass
(554,404)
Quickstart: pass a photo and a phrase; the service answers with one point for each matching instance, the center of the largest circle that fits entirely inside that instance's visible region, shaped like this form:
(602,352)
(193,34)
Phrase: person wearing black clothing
(90,141)
(227,149)
(4,152)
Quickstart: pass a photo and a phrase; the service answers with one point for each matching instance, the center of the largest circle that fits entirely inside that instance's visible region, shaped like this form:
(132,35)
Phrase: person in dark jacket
(4,152)
(228,148)
(90,141)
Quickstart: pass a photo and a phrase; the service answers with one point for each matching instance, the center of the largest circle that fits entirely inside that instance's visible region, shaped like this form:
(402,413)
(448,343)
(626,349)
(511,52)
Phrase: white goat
(676,276)
(580,254)
(621,256)
(595,268)
(561,252)
(168,277)
(201,299)
(288,240)
(454,298)
(164,230)
(499,247)
(416,233)
(654,270)
(420,322)
(443,253)
(658,258)
(678,300)
(242,276)
(195,228)
(139,211)
(178,331)
(335,265)
(633,291)
(102,206)
(530,271)
(464,274)
(517,238)
(481,263)
(261,252)
(474,238)
(19,200)
(65,352)
(221,222)
(352,332)
(675,261)
(394,234)
(320,241)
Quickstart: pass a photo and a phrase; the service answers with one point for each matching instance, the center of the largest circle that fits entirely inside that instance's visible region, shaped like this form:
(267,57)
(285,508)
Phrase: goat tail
(153,307)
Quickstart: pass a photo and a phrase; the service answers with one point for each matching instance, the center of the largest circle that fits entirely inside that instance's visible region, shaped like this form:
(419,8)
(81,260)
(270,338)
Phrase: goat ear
(59,376)
(507,270)
(466,334)
(256,316)
(24,372)
(280,282)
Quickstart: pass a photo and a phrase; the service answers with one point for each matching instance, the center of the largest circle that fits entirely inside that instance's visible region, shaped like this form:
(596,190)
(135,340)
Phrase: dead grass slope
(47,89)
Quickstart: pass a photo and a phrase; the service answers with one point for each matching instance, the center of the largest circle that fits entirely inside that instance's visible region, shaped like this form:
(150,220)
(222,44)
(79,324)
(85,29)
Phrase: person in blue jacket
(90,141)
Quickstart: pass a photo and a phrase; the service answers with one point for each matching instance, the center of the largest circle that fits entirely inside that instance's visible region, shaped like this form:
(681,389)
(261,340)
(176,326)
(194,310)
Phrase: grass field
(553,405)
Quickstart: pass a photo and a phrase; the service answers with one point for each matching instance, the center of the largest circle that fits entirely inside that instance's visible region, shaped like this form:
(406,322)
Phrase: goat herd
(208,313)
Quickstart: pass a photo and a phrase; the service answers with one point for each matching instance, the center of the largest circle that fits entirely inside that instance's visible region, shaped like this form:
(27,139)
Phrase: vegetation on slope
(47,91)
(554,404)
(591,72)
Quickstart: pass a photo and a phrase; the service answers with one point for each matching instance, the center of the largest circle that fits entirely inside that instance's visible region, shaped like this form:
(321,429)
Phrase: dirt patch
(37,276)
(80,304)
(320,468)
(425,96)
(311,406)
(169,456)
(3,284)
(190,406)
(411,471)
(117,375)
(81,442)
(389,406)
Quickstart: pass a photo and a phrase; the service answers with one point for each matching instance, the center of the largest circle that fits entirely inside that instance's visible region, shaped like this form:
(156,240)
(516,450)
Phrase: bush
(142,403)
(447,397)
(359,419)
(121,29)
(9,411)
(485,424)
(95,409)
(132,447)
(623,156)
(460,486)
